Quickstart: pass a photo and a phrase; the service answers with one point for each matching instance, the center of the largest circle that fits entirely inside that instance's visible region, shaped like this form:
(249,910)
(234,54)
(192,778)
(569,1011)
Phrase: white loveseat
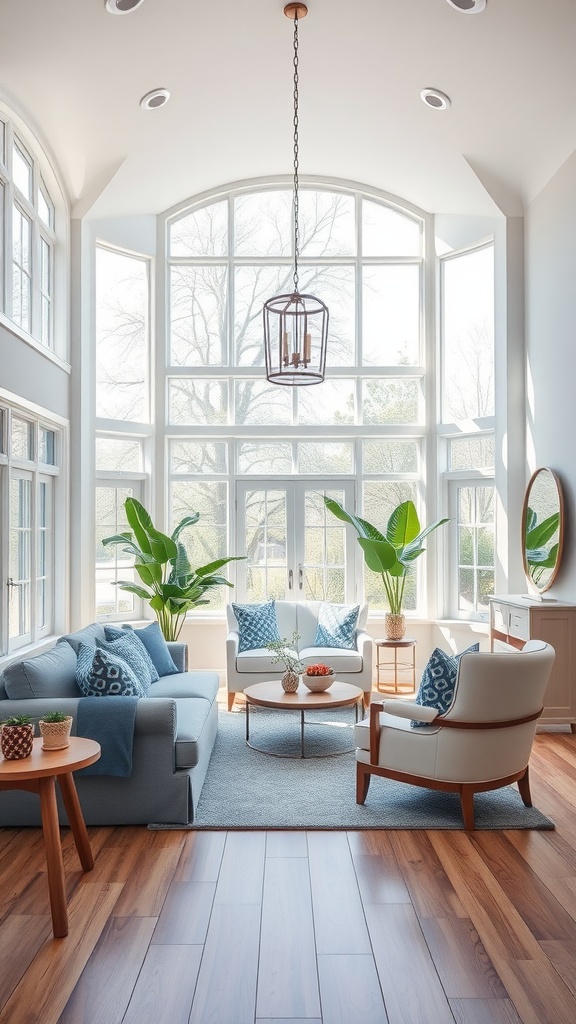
(254,666)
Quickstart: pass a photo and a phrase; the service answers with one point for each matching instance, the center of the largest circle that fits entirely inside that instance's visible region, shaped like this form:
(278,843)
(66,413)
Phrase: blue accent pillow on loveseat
(257,625)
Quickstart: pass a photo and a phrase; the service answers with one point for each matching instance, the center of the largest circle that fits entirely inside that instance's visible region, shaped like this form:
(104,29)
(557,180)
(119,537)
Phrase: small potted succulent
(17,737)
(318,677)
(55,730)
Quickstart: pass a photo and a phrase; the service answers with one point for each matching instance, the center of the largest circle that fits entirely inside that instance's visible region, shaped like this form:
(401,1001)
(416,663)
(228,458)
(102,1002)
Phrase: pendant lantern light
(295,325)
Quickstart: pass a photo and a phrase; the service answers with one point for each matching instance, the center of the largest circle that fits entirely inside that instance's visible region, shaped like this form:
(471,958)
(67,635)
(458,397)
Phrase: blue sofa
(174,734)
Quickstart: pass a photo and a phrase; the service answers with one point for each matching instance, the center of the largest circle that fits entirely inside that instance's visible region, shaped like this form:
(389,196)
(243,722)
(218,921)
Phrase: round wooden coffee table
(37,774)
(271,695)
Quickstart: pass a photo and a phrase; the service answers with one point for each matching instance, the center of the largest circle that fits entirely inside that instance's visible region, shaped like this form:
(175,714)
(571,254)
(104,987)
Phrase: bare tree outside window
(121,337)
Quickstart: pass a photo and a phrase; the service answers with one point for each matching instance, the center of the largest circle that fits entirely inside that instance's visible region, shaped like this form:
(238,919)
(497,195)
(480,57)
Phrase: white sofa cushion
(335,657)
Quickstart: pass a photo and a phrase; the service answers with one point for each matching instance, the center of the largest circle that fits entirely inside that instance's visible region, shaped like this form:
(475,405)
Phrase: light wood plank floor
(390,927)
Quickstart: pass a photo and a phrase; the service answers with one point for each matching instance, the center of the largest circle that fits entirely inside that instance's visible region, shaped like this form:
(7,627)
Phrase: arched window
(256,459)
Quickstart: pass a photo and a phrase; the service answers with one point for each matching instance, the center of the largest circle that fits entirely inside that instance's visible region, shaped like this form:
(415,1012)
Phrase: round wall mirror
(542,529)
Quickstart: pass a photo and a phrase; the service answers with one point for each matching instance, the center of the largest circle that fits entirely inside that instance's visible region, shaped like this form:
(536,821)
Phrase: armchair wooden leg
(467,805)
(524,789)
(231,700)
(362,782)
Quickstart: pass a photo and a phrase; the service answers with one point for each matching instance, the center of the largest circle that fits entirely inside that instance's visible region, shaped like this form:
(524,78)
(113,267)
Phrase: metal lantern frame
(295,325)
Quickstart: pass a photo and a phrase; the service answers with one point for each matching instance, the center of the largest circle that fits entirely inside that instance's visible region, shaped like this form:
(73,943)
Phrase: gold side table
(396,685)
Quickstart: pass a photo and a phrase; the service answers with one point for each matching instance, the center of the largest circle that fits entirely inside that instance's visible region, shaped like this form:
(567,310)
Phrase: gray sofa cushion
(88,636)
(187,684)
(52,674)
(191,717)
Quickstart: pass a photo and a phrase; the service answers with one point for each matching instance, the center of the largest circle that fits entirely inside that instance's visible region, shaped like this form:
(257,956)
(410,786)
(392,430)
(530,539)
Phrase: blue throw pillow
(337,626)
(154,642)
(257,625)
(128,647)
(100,673)
(438,680)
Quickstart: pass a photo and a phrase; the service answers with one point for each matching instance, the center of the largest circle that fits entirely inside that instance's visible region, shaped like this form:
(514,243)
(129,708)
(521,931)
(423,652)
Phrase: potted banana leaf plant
(391,555)
(168,582)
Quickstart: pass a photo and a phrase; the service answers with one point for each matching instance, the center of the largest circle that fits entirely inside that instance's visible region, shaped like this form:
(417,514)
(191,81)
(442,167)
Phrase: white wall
(550,233)
(32,375)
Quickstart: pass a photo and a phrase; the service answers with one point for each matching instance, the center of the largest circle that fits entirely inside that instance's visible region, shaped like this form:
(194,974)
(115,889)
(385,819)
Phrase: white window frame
(10,468)
(13,198)
(137,482)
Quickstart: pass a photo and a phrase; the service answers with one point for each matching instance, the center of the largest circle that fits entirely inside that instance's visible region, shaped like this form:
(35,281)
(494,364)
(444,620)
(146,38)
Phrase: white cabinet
(515,619)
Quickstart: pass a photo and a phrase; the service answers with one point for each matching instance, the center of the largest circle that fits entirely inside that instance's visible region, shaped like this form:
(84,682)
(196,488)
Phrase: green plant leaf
(140,521)
(542,558)
(416,545)
(379,555)
(187,521)
(133,588)
(149,572)
(540,534)
(362,526)
(205,570)
(403,525)
(181,562)
(121,538)
(162,547)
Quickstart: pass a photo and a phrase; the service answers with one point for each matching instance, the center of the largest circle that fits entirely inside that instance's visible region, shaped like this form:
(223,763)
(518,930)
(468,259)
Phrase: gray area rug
(245,789)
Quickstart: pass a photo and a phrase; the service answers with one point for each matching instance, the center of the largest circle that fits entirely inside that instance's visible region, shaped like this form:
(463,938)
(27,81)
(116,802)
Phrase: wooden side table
(38,774)
(397,665)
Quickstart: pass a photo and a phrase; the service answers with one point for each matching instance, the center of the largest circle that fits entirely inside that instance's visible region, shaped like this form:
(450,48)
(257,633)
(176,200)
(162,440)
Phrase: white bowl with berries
(318,677)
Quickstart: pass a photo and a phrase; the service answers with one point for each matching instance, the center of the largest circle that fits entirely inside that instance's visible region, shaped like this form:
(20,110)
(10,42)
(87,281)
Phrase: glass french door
(295,548)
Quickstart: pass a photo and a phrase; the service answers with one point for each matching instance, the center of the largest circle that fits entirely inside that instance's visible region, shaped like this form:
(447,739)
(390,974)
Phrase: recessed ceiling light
(122,6)
(154,99)
(436,99)
(468,6)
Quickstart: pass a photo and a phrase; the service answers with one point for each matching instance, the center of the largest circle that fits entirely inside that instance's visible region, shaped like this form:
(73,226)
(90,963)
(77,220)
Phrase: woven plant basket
(16,741)
(394,626)
(55,735)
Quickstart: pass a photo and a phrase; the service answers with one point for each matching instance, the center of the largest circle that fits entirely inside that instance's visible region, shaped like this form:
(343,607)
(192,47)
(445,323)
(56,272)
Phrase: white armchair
(482,742)
(247,667)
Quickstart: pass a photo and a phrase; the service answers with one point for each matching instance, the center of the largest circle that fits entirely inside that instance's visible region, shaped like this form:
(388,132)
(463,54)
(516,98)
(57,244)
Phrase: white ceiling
(78,73)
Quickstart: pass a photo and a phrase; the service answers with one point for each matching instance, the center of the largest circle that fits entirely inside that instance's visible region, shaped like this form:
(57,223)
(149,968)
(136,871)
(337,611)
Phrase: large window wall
(256,459)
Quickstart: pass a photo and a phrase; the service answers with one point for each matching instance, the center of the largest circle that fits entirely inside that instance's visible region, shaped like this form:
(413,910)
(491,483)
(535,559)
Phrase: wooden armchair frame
(466,790)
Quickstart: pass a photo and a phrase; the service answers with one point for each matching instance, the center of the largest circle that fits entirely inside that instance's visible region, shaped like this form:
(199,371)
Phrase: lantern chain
(296,161)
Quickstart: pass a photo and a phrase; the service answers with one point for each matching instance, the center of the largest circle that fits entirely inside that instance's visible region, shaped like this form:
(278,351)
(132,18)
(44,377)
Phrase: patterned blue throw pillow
(154,642)
(257,625)
(337,626)
(100,673)
(130,648)
(438,680)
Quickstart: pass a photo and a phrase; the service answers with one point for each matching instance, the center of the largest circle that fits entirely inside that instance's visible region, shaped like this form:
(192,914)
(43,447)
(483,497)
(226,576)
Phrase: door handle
(300,577)
(290,579)
(10,583)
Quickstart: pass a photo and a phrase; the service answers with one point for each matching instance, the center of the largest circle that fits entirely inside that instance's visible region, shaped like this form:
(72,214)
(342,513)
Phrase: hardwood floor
(391,927)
